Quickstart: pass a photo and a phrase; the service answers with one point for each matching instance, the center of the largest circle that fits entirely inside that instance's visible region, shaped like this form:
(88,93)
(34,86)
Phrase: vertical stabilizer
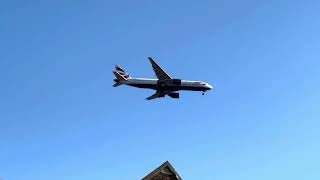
(120,75)
(122,72)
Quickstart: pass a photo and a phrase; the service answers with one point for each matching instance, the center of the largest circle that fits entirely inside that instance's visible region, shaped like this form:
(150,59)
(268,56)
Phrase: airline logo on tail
(121,76)
(120,71)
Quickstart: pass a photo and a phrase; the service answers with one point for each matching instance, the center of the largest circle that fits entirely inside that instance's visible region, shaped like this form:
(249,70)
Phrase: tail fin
(122,72)
(118,80)
(120,75)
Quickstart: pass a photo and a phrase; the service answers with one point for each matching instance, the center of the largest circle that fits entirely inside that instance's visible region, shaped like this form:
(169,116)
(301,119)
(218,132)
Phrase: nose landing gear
(203,93)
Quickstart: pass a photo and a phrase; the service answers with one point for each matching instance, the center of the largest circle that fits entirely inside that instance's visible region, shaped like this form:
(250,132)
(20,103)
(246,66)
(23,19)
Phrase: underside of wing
(160,73)
(160,94)
(154,96)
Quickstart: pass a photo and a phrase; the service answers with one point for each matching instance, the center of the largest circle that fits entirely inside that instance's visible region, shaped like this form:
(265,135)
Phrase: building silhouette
(164,172)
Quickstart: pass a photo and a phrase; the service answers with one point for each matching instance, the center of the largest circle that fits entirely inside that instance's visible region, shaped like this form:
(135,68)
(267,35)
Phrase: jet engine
(174,95)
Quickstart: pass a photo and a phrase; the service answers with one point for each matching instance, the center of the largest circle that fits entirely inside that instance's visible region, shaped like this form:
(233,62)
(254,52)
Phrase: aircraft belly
(186,88)
(147,86)
(170,88)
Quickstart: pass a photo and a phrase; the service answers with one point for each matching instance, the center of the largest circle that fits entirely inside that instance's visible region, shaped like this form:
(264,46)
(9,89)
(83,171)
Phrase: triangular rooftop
(164,172)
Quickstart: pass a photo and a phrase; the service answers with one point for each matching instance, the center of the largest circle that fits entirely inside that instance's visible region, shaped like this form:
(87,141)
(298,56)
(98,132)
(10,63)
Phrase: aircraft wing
(154,96)
(159,94)
(160,73)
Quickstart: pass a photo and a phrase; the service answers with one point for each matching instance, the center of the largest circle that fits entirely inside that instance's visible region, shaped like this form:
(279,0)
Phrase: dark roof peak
(163,172)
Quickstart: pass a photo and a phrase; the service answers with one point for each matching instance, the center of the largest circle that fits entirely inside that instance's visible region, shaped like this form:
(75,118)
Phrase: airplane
(164,85)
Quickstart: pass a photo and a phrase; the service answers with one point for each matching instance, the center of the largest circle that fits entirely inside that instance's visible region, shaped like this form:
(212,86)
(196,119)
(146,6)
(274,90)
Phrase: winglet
(150,59)
(153,62)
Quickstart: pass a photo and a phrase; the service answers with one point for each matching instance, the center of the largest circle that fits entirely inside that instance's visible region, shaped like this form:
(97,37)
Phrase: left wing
(154,96)
(160,73)
(160,94)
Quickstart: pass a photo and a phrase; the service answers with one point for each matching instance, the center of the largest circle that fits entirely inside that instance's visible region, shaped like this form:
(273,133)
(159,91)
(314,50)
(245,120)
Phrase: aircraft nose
(209,86)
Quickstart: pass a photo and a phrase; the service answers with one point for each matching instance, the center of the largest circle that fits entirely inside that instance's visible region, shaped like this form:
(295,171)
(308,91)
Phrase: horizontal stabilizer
(117,84)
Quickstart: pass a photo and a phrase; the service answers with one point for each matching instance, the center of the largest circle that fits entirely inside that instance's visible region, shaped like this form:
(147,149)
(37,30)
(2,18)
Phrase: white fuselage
(171,85)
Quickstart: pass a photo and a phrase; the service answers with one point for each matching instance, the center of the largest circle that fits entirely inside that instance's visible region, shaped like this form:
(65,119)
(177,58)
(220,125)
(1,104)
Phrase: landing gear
(203,93)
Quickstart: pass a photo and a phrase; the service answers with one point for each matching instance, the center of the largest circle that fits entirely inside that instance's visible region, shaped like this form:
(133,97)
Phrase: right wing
(160,73)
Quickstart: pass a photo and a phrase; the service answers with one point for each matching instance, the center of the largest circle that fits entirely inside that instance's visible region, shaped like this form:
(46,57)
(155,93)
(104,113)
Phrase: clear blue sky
(60,117)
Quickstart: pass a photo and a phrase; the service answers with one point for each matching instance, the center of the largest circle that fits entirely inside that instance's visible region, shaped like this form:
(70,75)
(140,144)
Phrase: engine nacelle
(174,95)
